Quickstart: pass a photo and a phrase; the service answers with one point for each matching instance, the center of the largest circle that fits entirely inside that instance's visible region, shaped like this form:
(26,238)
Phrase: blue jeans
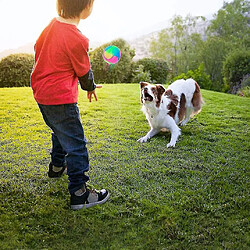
(68,142)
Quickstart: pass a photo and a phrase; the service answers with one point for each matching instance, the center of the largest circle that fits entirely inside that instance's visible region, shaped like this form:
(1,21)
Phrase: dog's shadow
(165,134)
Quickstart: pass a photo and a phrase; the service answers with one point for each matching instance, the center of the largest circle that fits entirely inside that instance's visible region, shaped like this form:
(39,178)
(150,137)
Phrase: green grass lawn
(193,196)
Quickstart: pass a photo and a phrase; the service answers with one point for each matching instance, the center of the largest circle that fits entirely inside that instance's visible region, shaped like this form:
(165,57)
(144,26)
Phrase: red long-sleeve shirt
(61,56)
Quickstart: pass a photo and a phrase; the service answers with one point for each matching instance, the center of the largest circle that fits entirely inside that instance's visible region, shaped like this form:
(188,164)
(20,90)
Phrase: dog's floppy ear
(160,89)
(143,84)
(159,92)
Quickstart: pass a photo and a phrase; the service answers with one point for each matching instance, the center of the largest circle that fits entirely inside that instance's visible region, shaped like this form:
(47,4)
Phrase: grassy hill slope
(194,196)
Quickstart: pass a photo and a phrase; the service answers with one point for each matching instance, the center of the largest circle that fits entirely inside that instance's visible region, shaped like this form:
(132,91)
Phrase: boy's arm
(87,81)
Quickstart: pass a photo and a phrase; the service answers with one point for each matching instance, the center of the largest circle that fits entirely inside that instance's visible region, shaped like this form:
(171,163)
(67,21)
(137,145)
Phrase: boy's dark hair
(72,8)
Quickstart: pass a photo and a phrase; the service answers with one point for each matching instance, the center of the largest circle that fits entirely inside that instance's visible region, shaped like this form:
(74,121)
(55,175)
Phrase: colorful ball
(111,54)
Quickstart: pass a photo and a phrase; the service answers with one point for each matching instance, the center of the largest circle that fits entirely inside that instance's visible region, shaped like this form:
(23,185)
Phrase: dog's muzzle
(146,96)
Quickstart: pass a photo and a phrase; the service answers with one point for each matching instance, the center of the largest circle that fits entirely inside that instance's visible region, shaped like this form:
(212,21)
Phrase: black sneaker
(86,198)
(56,174)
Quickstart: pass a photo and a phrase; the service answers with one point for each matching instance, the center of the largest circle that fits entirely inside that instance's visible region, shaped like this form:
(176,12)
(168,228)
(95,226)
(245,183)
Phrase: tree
(213,54)
(162,47)
(190,57)
(158,69)
(178,45)
(231,23)
(140,75)
(228,31)
(185,46)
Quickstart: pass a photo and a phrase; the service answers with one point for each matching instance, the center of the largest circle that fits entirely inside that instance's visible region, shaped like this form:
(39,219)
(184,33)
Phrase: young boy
(61,61)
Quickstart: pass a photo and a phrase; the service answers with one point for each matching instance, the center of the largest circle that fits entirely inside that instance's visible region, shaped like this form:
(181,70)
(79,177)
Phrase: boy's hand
(90,93)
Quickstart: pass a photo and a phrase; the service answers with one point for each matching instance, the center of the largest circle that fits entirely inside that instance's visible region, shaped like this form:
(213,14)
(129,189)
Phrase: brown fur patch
(168,92)
(197,99)
(143,84)
(159,90)
(182,108)
(172,106)
(172,109)
(153,89)
(170,95)
(174,99)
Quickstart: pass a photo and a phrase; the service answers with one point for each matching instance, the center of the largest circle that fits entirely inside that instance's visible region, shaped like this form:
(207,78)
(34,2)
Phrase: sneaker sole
(80,206)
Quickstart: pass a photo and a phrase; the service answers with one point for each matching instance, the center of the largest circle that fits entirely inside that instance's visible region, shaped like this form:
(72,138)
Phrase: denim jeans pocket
(56,114)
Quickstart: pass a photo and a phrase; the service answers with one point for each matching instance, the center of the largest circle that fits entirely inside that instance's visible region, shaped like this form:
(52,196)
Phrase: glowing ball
(111,54)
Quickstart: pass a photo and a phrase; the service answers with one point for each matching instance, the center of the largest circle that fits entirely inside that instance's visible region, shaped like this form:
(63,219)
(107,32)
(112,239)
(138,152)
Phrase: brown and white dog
(168,108)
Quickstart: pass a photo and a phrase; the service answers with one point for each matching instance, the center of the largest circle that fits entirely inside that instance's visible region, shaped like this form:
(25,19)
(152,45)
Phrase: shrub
(245,81)
(15,70)
(245,91)
(140,75)
(199,76)
(120,72)
(158,69)
(245,86)
(235,67)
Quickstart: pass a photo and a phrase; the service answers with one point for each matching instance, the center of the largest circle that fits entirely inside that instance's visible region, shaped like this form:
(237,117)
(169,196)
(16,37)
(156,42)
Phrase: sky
(21,22)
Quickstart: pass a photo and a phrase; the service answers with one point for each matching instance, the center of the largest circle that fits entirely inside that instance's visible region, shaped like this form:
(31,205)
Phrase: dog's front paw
(183,123)
(143,139)
(170,145)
